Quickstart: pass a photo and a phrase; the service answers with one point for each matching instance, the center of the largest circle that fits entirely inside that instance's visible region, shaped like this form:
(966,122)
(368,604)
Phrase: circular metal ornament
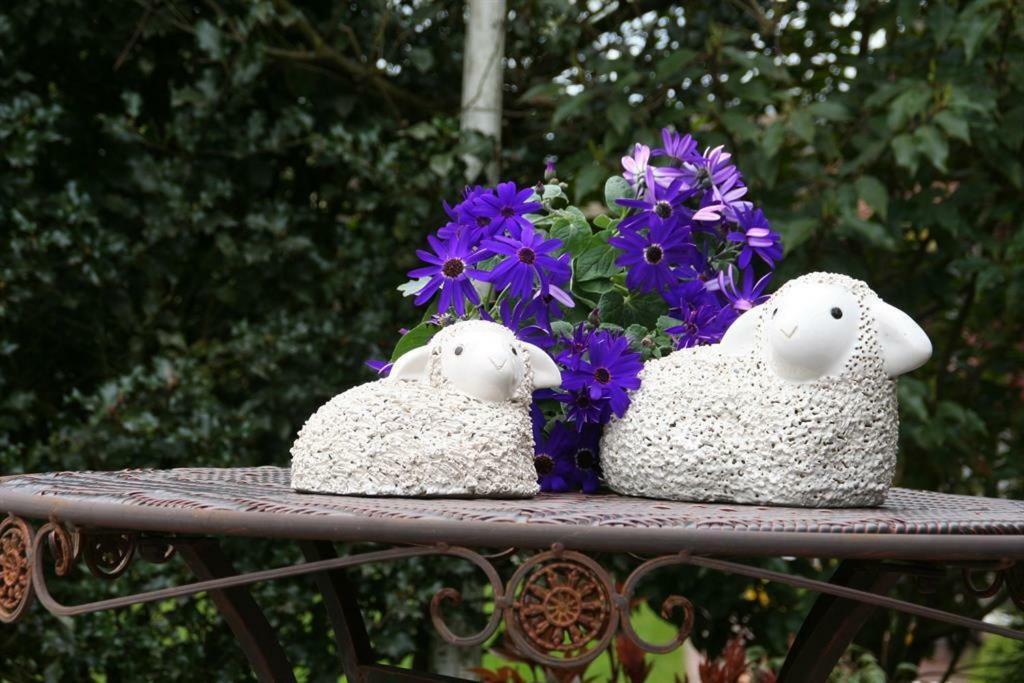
(16,594)
(108,554)
(564,606)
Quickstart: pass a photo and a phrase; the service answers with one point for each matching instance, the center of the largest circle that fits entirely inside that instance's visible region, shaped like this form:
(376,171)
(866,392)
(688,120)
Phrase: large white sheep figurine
(452,419)
(796,406)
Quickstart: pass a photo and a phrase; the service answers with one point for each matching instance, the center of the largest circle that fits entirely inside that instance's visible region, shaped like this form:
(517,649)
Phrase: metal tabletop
(258,502)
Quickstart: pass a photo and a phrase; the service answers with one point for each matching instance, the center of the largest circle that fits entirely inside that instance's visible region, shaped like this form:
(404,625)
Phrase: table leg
(238,608)
(833,622)
(358,661)
(339,595)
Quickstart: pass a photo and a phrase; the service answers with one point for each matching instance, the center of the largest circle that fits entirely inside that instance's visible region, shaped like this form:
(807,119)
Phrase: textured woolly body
(408,438)
(707,426)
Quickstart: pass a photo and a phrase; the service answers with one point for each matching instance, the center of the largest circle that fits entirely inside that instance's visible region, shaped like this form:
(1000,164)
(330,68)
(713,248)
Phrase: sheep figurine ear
(905,346)
(741,337)
(412,365)
(545,373)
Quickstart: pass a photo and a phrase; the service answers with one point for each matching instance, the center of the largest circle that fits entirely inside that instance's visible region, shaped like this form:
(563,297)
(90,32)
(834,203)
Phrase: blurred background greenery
(205,208)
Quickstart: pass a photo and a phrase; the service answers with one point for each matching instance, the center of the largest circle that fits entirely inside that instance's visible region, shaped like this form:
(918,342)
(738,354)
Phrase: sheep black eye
(774,312)
(837,313)
(514,352)
(458,350)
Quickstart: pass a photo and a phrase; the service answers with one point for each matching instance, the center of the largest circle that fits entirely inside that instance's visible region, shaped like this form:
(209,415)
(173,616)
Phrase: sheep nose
(790,333)
(497,365)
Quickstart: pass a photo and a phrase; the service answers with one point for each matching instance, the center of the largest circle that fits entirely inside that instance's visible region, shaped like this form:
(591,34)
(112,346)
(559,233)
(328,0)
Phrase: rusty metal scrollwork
(16,593)
(561,609)
(108,554)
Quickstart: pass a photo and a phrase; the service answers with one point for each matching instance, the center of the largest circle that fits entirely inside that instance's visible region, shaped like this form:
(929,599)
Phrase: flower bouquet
(677,256)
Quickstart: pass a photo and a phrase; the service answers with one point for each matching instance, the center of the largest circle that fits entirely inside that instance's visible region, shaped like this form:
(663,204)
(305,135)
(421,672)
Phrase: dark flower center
(703,178)
(583,400)
(508,211)
(544,463)
(653,254)
(527,255)
(453,267)
(602,375)
(483,221)
(585,459)
(663,209)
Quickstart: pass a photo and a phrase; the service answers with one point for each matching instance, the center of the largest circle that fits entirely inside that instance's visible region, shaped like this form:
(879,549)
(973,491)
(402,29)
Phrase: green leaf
(976,28)
(802,124)
(668,67)
(413,339)
(932,145)
(421,131)
(772,139)
(208,39)
(596,262)
(587,180)
(599,286)
(617,187)
(561,328)
(632,309)
(413,287)
(620,115)
(954,126)
(570,226)
(829,110)
(872,191)
(570,106)
(905,150)
(908,104)
(873,233)
(795,231)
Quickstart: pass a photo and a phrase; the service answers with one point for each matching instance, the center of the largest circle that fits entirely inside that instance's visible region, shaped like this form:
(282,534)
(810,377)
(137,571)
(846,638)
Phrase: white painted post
(482,78)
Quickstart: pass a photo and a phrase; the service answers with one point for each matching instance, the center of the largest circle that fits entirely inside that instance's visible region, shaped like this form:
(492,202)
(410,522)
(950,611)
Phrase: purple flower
(584,410)
(757,237)
(506,208)
(702,319)
(650,257)
(635,168)
(663,205)
(518,318)
(529,261)
(549,168)
(576,347)
(714,174)
(381,367)
(554,459)
(609,370)
(585,459)
(748,294)
(681,148)
(449,271)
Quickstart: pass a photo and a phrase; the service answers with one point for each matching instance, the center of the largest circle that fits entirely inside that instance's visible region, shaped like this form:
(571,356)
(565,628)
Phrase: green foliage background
(205,209)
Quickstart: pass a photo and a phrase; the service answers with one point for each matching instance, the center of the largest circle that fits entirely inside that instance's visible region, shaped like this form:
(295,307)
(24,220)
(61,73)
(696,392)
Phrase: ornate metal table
(560,607)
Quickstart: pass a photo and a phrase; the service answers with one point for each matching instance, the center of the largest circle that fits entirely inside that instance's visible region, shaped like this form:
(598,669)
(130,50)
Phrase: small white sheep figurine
(452,419)
(796,406)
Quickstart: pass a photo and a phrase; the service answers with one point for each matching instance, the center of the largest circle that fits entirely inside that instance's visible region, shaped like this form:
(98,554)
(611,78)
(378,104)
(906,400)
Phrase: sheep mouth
(790,333)
(498,366)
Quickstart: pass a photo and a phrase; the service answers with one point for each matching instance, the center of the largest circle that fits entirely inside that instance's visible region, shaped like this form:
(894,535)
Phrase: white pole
(482,75)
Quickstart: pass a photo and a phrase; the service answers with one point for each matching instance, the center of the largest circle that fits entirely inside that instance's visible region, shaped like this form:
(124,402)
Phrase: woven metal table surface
(259,502)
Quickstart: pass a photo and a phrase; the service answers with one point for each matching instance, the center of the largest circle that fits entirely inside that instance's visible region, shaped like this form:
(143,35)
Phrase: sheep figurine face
(480,359)
(796,406)
(452,419)
(811,329)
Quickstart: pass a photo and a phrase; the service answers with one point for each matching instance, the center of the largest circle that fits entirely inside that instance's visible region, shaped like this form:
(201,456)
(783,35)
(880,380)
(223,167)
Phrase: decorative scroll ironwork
(560,607)
(108,554)
(16,594)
